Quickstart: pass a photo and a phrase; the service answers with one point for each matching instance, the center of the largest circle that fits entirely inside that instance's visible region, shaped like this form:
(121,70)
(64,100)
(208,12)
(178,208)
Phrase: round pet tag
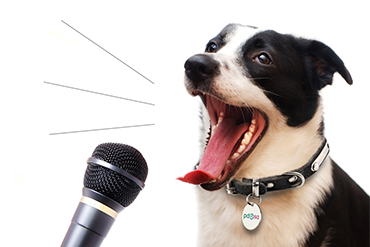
(252,216)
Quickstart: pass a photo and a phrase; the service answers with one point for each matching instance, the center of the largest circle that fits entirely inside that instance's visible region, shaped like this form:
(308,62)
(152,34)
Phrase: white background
(42,174)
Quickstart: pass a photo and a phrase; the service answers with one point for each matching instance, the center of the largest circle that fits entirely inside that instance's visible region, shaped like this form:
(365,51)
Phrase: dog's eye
(263,58)
(212,47)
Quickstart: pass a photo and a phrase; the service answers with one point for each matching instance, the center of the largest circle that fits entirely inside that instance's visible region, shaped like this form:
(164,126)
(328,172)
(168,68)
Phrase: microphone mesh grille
(110,183)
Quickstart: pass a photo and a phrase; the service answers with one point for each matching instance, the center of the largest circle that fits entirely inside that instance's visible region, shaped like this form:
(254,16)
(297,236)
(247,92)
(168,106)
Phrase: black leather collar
(288,180)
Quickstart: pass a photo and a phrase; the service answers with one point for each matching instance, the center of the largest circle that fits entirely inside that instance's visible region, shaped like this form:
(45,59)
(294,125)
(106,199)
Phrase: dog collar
(288,180)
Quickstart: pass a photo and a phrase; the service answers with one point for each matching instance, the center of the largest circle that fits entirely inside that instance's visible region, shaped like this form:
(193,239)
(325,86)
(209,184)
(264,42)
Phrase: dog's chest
(221,222)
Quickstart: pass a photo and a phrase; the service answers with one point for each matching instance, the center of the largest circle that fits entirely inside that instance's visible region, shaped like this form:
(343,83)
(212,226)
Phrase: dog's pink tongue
(217,152)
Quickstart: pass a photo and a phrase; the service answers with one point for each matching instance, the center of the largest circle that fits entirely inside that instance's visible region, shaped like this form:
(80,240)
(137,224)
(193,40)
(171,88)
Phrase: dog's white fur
(288,216)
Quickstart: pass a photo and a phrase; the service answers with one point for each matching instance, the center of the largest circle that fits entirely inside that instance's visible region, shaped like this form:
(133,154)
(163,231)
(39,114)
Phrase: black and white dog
(266,141)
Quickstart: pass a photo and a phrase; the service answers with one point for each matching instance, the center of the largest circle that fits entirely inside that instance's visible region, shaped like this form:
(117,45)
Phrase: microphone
(114,177)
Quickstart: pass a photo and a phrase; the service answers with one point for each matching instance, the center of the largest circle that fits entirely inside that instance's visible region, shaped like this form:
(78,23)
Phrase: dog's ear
(325,63)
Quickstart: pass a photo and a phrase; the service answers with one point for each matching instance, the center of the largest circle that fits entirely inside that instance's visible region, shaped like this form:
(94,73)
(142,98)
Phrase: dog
(264,146)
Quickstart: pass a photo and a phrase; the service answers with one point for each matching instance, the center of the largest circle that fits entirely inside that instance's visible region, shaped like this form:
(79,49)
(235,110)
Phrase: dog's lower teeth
(235,155)
(246,140)
(215,180)
(241,148)
(252,128)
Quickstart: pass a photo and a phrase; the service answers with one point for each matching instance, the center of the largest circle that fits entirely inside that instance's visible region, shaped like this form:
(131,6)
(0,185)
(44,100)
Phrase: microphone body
(114,177)
(92,220)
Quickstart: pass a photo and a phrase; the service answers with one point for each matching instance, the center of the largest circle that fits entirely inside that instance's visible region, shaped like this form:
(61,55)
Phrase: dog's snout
(200,68)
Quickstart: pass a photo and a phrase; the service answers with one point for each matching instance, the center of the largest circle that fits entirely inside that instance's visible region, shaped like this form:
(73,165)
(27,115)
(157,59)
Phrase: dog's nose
(200,68)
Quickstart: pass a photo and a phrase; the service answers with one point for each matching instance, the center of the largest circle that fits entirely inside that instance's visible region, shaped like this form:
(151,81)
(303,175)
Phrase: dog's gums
(235,131)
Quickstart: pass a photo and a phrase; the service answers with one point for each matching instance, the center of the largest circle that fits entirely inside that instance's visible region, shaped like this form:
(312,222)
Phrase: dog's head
(248,80)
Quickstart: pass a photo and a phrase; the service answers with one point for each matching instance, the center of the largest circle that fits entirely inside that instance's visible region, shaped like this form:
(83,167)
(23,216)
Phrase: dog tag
(252,216)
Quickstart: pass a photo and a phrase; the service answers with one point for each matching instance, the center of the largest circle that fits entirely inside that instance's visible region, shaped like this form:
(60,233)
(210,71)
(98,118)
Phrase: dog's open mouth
(235,131)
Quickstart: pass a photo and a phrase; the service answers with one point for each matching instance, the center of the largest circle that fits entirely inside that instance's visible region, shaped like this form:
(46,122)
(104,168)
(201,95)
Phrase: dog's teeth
(219,121)
(220,118)
(235,155)
(241,148)
(252,128)
(247,138)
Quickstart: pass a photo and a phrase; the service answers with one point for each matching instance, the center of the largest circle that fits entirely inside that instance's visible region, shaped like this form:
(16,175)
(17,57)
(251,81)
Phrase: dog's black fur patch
(299,68)
(343,218)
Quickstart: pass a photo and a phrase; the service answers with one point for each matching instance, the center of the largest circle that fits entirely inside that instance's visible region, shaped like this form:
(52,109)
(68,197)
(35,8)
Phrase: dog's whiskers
(261,78)
(241,109)
(269,92)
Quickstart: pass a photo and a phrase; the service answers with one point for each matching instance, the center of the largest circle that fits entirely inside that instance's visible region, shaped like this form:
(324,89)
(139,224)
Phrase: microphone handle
(86,223)
(91,221)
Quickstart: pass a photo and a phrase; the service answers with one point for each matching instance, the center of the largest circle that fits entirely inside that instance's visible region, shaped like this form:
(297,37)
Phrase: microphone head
(110,183)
